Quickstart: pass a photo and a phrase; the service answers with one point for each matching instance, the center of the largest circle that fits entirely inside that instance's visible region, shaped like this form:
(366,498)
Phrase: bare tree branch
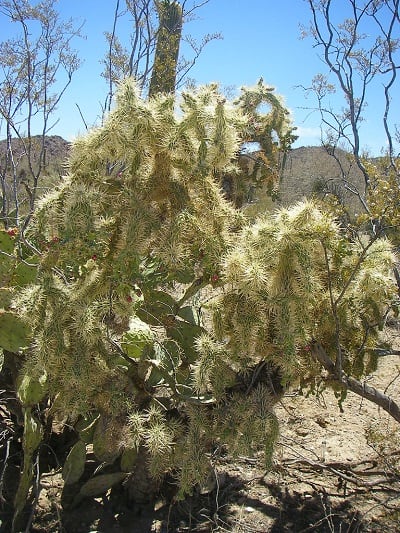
(31,64)
(361,389)
(357,56)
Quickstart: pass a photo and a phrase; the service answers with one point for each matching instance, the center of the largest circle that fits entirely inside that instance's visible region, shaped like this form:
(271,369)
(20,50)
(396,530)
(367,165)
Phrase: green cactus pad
(185,276)
(33,432)
(136,338)
(183,375)
(129,459)
(6,269)
(74,465)
(171,354)
(14,333)
(25,272)
(31,390)
(86,428)
(100,484)
(156,307)
(6,242)
(106,445)
(185,334)
(189,313)
(5,297)
(156,376)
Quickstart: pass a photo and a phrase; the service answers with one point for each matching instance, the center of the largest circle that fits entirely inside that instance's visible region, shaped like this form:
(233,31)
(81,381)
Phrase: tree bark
(361,389)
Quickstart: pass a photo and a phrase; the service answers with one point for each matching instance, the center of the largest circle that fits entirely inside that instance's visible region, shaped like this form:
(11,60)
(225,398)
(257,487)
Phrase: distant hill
(313,171)
(56,152)
(57,149)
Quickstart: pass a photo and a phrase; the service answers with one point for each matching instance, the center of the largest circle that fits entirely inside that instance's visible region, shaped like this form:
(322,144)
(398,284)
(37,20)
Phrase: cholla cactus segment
(292,274)
(74,465)
(163,76)
(212,370)
(277,120)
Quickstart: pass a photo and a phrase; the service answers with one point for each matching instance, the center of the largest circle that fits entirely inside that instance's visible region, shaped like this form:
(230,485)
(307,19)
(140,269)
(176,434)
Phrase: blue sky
(261,38)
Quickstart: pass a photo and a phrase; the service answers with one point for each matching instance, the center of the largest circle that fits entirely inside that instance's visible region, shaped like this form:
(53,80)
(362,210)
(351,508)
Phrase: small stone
(321,421)
(302,432)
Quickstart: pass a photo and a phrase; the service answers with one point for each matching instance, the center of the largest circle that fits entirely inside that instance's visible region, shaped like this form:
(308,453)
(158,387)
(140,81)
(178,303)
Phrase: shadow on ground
(236,505)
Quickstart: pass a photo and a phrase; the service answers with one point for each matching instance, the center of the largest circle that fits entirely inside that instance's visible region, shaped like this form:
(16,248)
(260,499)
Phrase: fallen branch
(343,471)
(380,352)
(347,471)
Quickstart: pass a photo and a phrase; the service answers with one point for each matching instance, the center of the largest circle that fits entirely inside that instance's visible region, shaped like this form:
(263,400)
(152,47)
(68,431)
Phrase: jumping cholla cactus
(127,241)
(136,231)
(292,278)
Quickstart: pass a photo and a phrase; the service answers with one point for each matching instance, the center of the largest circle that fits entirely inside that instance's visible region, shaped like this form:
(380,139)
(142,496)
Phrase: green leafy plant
(15,272)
